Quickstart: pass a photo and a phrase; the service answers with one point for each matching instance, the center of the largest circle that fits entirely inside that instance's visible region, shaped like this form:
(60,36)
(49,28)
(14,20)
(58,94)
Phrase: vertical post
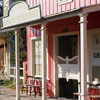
(83,46)
(44,69)
(5,57)
(17,64)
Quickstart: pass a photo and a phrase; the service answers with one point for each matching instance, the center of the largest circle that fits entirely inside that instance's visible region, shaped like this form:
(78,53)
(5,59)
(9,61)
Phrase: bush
(6,82)
(10,84)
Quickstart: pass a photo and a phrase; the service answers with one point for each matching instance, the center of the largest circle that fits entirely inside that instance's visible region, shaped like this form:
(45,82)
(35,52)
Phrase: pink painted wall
(71,24)
(51,7)
(51,68)
(28,50)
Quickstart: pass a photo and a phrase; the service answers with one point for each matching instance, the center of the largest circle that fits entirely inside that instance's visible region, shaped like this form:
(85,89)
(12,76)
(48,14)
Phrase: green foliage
(6,82)
(21,82)
(9,84)
(22,47)
(12,48)
(12,86)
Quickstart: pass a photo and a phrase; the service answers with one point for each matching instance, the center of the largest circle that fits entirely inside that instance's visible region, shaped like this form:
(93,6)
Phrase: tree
(1,8)
(22,47)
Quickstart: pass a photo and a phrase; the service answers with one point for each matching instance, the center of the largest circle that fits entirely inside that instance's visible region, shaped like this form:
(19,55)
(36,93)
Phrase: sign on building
(96,50)
(19,14)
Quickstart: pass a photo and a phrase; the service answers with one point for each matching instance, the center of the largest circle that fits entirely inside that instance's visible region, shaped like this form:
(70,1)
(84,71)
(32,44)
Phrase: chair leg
(39,92)
(35,91)
(26,90)
(30,90)
(74,97)
(22,90)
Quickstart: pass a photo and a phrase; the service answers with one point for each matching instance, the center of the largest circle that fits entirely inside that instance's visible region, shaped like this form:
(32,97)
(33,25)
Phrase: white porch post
(44,69)
(17,64)
(83,54)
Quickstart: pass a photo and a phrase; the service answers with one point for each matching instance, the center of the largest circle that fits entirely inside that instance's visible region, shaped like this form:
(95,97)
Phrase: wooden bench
(35,87)
(75,94)
(24,87)
(32,85)
(94,97)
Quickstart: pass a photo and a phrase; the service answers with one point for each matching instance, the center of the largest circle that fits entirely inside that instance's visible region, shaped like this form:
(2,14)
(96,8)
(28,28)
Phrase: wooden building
(72,45)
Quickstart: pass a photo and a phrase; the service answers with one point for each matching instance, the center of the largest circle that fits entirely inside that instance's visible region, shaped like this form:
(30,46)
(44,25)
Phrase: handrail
(13,73)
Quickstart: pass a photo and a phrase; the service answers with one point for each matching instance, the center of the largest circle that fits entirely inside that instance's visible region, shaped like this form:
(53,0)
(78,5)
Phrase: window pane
(38,60)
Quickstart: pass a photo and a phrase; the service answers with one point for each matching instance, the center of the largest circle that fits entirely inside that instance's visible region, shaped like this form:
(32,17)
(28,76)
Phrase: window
(64,1)
(37,57)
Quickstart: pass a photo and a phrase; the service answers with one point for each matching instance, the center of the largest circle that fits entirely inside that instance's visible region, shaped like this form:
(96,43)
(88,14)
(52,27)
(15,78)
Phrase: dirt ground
(9,94)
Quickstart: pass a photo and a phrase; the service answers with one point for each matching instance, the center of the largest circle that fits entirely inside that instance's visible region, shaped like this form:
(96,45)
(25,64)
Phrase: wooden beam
(17,64)
(83,55)
(44,69)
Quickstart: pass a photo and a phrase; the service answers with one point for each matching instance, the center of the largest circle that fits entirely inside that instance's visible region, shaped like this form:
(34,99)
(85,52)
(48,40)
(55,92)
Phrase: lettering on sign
(96,55)
(20,13)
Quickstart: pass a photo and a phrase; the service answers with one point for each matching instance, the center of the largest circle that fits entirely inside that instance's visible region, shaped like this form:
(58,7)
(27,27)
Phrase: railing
(68,68)
(13,73)
(23,72)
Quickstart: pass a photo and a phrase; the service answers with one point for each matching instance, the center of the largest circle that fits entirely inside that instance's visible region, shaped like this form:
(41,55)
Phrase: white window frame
(60,2)
(33,39)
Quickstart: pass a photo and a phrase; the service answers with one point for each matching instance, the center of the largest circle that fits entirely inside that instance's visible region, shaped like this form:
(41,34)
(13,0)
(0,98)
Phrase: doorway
(68,65)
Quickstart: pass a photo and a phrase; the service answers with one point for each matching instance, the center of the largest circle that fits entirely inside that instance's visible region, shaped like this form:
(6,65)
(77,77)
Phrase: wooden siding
(51,7)
(29,50)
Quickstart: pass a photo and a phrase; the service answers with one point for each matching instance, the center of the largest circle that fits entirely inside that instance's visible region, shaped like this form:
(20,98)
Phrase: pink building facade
(72,45)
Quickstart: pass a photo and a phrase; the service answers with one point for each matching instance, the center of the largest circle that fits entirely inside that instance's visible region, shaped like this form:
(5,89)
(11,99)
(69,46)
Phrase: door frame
(55,52)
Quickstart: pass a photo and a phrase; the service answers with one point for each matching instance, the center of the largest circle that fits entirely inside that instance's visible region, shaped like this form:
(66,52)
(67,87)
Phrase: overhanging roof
(55,17)
(47,19)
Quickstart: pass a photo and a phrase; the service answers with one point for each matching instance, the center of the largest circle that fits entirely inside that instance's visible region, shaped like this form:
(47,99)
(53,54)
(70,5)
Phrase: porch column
(83,55)
(44,69)
(17,64)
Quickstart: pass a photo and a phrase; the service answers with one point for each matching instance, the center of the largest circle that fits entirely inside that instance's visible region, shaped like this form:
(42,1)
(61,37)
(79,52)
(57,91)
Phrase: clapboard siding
(51,7)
